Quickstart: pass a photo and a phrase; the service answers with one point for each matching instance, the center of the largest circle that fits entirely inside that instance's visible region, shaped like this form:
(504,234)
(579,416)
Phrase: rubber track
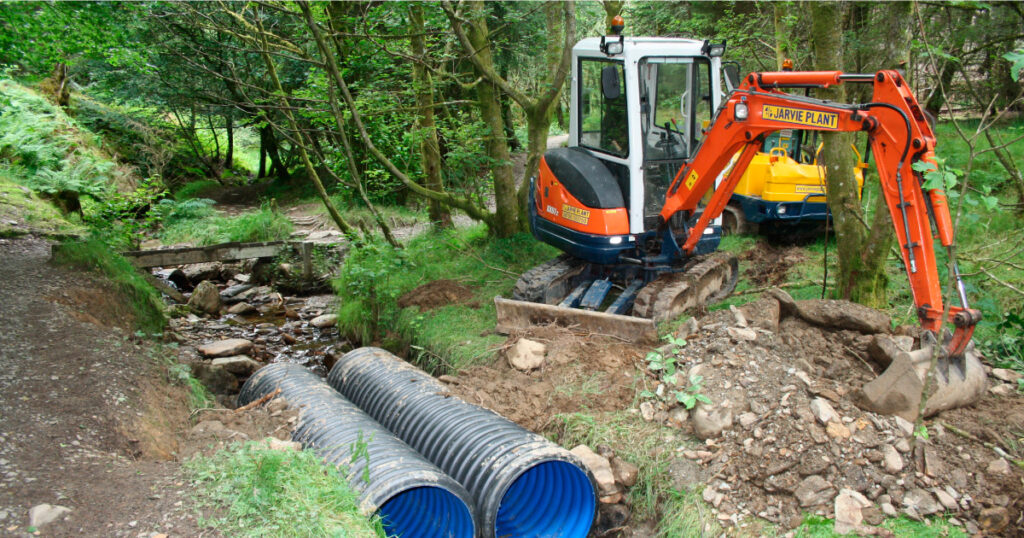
(533,284)
(672,294)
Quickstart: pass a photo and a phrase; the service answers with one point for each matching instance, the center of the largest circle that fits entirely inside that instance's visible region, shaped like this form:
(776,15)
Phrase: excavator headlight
(713,50)
(740,112)
(616,240)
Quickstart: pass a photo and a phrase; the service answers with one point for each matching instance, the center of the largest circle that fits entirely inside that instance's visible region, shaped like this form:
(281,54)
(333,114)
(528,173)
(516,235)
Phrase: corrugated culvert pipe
(523,484)
(412,496)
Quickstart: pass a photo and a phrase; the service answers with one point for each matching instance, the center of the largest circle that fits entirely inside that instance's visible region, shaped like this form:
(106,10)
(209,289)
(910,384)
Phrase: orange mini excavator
(619,275)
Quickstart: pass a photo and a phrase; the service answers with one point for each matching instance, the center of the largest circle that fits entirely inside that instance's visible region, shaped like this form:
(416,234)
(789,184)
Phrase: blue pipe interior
(426,512)
(551,499)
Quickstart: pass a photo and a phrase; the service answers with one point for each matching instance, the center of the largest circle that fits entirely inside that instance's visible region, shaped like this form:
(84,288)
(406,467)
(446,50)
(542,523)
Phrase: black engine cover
(586,177)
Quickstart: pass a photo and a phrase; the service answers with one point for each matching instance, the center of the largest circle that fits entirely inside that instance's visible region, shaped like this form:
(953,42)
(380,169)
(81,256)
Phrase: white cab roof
(642,46)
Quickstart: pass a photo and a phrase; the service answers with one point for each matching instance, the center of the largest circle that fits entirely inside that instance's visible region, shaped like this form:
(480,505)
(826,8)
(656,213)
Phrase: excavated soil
(436,294)
(768,264)
(776,461)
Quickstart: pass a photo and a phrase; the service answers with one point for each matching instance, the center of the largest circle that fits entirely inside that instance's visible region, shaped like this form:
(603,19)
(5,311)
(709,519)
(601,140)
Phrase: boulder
(232,291)
(599,467)
(242,309)
(206,298)
(762,313)
(527,355)
(226,348)
(216,379)
(240,365)
(198,272)
(324,321)
(848,506)
(44,514)
(177,277)
(834,314)
(814,490)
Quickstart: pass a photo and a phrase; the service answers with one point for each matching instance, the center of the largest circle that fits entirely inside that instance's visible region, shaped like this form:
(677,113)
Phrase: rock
(284,446)
(747,420)
(288,338)
(889,510)
(647,411)
(599,467)
(206,298)
(884,348)
(177,277)
(232,291)
(691,327)
(1001,389)
(742,334)
(823,411)
(998,466)
(198,272)
(242,309)
(848,506)
(903,445)
(762,314)
(679,416)
(921,502)
(945,499)
(710,420)
(843,315)
(814,490)
(44,514)
(905,426)
(240,365)
(836,430)
(625,473)
(713,496)
(612,516)
(326,320)
(226,348)
(1006,375)
(994,520)
(892,458)
(217,380)
(527,355)
(737,314)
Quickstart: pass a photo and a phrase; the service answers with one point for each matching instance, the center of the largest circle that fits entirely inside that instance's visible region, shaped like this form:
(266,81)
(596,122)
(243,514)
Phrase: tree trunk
(611,9)
(430,153)
(781,34)
(505,201)
(263,154)
(861,277)
(229,153)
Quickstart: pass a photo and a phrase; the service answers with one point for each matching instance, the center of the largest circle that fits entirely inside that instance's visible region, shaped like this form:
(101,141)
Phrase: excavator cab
(638,112)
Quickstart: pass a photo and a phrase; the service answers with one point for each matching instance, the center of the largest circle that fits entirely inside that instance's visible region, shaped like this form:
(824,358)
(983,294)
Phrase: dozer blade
(515,315)
(959,381)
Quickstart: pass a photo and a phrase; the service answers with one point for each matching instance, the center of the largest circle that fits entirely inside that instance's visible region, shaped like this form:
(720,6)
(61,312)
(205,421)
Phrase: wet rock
(198,272)
(998,466)
(710,420)
(814,490)
(44,514)
(226,348)
(288,338)
(994,520)
(240,365)
(848,507)
(324,321)
(527,355)
(206,298)
(599,467)
(625,473)
(242,309)
(233,291)
(921,502)
(893,460)
(823,411)
(177,277)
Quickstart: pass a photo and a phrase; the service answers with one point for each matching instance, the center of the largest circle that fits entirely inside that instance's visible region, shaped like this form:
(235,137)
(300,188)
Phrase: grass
(209,228)
(255,491)
(196,189)
(445,339)
(94,255)
(31,213)
(936,527)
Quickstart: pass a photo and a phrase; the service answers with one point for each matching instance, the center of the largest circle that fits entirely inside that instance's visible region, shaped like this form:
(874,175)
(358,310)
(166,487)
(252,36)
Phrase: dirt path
(73,395)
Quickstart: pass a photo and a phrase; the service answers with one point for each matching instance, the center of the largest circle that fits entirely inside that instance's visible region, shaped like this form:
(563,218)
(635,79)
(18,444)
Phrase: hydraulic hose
(413,497)
(523,484)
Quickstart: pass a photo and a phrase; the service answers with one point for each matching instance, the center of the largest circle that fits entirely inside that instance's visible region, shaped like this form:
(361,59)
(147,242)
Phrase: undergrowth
(190,222)
(935,527)
(94,255)
(256,491)
(449,338)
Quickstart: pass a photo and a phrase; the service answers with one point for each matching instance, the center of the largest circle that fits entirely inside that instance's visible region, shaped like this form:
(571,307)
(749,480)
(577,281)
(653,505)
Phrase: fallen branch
(256,403)
(967,435)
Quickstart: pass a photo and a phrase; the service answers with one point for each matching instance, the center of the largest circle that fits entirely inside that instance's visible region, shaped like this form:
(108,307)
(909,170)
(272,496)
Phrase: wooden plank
(513,315)
(223,252)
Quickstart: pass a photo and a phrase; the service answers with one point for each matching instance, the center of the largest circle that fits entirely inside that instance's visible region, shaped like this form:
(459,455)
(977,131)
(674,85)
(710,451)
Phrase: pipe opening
(551,499)
(426,512)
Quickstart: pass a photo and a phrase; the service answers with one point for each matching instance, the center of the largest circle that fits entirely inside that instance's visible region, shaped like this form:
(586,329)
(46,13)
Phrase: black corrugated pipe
(412,496)
(523,484)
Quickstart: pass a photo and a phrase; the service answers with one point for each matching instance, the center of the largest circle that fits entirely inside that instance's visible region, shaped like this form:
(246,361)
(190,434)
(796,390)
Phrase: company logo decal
(800,116)
(575,214)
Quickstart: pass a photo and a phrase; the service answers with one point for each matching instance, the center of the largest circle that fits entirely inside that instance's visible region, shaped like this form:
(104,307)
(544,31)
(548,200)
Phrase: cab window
(603,122)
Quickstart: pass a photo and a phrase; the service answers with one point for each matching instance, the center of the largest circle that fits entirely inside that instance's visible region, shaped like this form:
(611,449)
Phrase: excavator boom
(899,137)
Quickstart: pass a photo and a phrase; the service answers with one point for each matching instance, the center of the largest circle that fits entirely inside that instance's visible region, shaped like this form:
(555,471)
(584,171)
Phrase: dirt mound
(221,427)
(768,264)
(580,373)
(436,294)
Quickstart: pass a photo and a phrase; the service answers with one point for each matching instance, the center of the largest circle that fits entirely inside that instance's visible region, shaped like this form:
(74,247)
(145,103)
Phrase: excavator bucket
(958,381)
(518,315)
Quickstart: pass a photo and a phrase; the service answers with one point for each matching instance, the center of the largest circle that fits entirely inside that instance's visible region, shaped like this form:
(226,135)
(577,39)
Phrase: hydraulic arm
(899,137)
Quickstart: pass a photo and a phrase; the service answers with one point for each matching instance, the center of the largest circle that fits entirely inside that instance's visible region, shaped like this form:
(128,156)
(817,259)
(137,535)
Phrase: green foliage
(193,221)
(1005,347)
(264,492)
(23,212)
(369,290)
(199,397)
(1017,59)
(664,364)
(195,189)
(820,527)
(94,255)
